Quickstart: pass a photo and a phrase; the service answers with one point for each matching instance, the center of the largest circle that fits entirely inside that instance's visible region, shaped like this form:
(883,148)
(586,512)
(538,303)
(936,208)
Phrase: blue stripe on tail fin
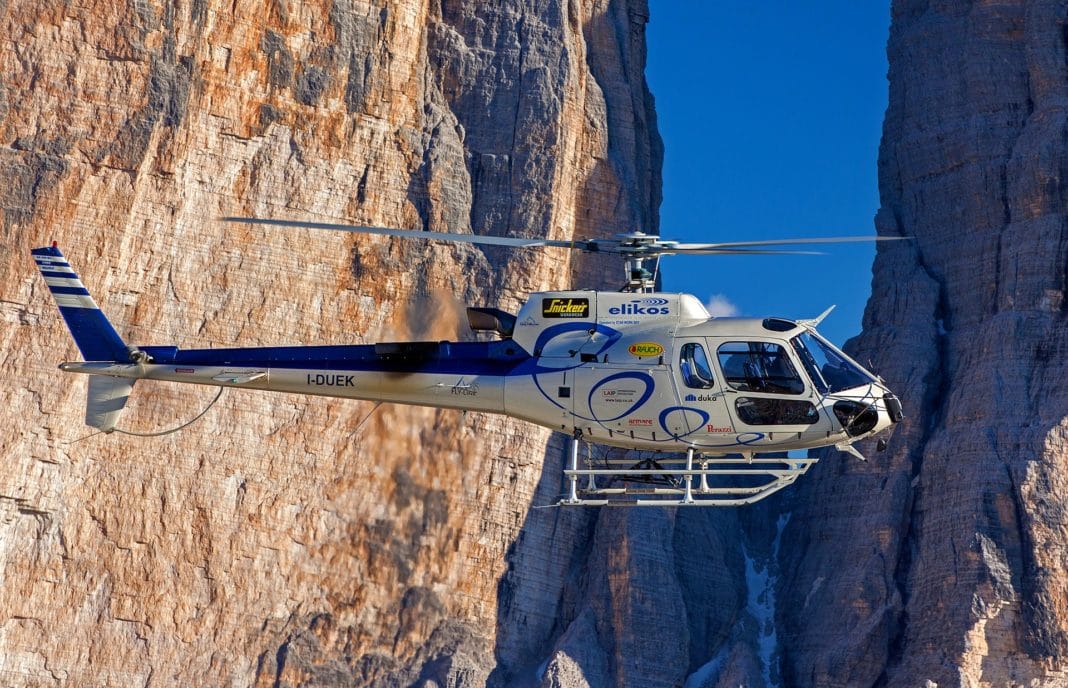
(94,335)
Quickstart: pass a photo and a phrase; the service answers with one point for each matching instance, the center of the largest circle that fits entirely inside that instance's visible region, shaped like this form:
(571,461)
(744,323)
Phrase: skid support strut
(573,474)
(688,498)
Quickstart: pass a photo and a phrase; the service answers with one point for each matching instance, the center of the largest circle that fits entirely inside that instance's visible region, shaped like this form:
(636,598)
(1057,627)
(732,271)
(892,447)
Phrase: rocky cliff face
(285,540)
(292,541)
(944,559)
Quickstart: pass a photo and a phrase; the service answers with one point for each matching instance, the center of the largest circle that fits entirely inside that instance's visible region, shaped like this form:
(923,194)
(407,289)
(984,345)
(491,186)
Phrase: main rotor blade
(792,242)
(648,246)
(688,250)
(514,242)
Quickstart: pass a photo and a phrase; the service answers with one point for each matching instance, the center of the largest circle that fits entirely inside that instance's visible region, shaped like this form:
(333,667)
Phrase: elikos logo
(646,349)
(649,306)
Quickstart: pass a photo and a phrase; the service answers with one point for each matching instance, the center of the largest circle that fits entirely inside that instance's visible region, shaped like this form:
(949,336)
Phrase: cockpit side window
(759,367)
(693,364)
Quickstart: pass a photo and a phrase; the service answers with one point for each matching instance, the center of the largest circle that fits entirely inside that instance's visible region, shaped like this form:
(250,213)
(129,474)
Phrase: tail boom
(464,392)
(454,375)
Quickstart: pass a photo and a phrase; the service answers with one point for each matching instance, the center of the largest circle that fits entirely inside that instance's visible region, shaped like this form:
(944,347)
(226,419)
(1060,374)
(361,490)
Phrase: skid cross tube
(670,481)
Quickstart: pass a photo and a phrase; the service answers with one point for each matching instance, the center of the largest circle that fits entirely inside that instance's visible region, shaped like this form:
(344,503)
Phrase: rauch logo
(646,349)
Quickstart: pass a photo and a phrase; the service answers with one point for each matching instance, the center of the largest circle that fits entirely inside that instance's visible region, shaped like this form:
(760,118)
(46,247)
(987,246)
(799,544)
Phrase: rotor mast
(637,248)
(639,279)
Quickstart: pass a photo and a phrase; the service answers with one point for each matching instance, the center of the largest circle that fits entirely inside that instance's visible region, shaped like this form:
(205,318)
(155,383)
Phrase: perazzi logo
(713,430)
(646,349)
(565,308)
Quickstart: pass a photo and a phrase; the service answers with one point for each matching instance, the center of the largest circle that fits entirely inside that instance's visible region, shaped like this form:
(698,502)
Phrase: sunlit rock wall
(290,540)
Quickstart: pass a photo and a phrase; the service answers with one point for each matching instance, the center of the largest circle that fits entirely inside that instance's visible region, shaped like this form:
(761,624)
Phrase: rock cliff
(942,561)
(944,558)
(293,541)
(285,540)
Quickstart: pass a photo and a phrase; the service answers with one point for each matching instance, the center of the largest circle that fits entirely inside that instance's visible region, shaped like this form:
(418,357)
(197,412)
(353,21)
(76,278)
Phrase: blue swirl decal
(743,440)
(534,369)
(671,409)
(640,377)
(555,331)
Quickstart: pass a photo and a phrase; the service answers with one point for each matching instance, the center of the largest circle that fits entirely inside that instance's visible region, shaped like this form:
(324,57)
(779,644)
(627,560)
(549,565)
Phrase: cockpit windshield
(828,367)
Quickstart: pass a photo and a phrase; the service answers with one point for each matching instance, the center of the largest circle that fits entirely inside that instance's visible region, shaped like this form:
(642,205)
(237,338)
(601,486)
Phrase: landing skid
(672,480)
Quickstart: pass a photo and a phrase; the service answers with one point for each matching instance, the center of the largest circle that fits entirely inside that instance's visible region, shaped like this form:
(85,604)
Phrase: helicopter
(690,410)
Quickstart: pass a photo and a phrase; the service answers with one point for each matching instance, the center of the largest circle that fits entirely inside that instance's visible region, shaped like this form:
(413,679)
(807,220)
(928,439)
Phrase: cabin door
(702,408)
(768,393)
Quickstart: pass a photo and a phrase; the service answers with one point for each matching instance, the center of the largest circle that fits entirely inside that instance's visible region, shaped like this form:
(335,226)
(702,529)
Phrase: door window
(759,367)
(693,364)
(765,411)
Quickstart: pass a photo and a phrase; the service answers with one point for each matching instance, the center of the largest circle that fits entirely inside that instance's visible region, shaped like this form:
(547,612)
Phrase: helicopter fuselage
(634,370)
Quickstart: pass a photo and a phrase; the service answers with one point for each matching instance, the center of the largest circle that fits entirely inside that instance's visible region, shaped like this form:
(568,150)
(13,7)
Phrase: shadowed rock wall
(945,559)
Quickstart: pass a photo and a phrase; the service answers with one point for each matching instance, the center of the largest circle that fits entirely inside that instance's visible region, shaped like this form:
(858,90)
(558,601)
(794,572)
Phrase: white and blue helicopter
(699,401)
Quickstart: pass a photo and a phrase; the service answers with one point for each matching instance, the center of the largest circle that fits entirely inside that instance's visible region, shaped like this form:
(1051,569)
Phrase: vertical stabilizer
(94,335)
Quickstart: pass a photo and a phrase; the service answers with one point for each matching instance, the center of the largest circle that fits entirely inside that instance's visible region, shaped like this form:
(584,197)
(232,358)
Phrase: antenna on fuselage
(814,322)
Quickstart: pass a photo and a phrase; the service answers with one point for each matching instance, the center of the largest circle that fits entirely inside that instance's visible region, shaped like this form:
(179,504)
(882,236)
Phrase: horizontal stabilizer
(107,398)
(111,368)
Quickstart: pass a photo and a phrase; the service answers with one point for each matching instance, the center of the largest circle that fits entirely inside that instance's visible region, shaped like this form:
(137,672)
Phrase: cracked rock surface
(291,541)
(279,541)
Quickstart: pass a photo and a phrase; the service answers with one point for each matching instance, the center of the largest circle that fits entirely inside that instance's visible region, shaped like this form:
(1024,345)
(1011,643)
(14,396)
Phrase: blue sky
(771,114)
